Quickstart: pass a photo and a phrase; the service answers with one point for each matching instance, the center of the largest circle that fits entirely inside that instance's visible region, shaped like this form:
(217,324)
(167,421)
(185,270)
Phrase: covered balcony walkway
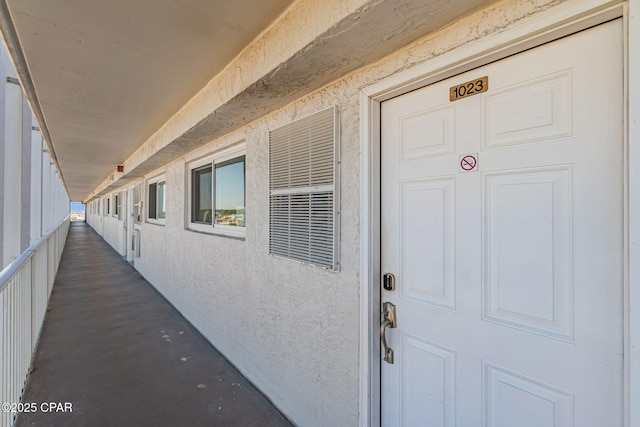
(114,352)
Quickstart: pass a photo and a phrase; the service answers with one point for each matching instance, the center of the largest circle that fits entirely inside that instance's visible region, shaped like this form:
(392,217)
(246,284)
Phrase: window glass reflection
(230,189)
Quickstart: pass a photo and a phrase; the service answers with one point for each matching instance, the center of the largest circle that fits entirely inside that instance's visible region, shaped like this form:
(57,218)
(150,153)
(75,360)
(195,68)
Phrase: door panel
(509,276)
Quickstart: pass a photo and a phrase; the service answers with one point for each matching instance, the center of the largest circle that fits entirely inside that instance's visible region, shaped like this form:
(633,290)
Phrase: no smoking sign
(468,162)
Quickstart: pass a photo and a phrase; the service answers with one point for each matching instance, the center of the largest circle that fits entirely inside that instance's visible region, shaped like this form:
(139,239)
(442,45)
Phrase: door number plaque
(470,88)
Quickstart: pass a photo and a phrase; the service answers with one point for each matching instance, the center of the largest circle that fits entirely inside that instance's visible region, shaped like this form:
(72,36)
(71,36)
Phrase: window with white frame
(217,192)
(303,204)
(116,205)
(108,205)
(157,197)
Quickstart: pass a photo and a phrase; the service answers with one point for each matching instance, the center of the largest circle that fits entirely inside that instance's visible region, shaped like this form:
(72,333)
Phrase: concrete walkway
(114,352)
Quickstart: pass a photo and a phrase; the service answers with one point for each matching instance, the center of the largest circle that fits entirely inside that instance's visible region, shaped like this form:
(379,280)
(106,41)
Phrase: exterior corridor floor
(116,353)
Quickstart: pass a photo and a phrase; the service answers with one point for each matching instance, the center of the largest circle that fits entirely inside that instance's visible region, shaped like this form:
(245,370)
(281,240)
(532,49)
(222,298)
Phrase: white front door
(129,221)
(502,221)
(125,223)
(103,210)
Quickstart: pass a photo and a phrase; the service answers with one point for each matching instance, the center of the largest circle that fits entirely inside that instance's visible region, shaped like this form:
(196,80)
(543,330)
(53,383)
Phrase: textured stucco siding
(291,328)
(96,220)
(113,233)
(92,220)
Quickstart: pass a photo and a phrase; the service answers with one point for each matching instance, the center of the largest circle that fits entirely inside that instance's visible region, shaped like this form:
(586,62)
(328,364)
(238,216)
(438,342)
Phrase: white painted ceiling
(104,75)
(108,73)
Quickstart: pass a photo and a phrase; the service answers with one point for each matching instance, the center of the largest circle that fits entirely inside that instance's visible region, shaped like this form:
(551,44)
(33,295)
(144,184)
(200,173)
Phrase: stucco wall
(114,233)
(91,219)
(291,328)
(95,220)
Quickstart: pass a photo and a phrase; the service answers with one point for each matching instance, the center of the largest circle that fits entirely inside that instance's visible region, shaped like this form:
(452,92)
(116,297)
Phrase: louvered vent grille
(302,182)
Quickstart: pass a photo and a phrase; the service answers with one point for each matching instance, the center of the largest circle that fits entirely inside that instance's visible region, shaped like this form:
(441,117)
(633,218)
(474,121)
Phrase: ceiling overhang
(141,83)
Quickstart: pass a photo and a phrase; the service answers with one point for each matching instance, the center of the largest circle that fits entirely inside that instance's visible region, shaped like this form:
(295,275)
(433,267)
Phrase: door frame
(555,23)
(103,210)
(129,255)
(124,214)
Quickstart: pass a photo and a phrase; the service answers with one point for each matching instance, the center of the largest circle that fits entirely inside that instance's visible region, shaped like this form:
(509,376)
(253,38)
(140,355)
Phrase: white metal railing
(25,286)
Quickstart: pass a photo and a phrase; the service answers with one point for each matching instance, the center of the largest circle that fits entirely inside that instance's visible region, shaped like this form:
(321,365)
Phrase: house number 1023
(466,89)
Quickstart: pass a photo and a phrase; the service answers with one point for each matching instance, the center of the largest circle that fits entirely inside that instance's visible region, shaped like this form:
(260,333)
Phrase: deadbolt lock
(389,282)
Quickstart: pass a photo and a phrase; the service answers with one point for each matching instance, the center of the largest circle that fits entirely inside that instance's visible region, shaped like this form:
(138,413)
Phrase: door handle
(389,321)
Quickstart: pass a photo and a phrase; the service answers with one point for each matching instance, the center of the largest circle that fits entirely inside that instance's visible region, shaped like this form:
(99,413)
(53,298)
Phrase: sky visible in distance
(77,207)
